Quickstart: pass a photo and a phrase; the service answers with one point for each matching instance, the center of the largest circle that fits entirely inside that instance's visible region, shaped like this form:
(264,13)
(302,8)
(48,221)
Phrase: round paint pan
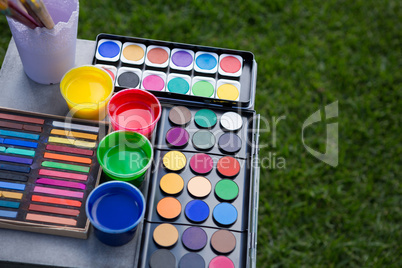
(206,62)
(192,260)
(115,209)
(133,53)
(231,121)
(203,87)
(194,238)
(228,90)
(108,50)
(171,183)
(177,137)
(230,65)
(174,161)
(223,241)
(182,59)
(229,143)
(197,211)
(168,208)
(129,77)
(201,163)
(221,262)
(180,115)
(199,186)
(225,214)
(165,235)
(205,118)
(226,190)
(162,258)
(203,140)
(157,56)
(180,84)
(152,80)
(228,166)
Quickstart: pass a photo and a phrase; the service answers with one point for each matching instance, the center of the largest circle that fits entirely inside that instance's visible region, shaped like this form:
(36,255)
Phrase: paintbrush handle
(41,11)
(32,13)
(18,14)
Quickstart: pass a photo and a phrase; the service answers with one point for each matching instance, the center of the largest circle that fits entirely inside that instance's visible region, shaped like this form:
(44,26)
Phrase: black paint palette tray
(48,167)
(193,246)
(239,200)
(204,130)
(191,73)
(194,193)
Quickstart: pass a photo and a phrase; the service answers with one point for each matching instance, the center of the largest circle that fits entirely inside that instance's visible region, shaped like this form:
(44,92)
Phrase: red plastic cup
(134,110)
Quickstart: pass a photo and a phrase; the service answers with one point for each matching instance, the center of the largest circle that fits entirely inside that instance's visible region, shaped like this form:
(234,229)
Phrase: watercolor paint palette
(48,166)
(212,131)
(200,174)
(192,246)
(193,193)
(180,71)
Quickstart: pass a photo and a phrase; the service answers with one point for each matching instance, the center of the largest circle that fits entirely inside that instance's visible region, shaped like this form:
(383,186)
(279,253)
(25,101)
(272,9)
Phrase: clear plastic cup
(47,54)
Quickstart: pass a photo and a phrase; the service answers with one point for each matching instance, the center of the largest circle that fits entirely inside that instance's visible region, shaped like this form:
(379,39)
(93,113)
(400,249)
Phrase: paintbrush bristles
(20,15)
(3,4)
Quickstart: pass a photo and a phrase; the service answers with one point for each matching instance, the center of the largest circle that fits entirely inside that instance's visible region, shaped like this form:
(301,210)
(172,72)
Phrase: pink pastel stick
(60,183)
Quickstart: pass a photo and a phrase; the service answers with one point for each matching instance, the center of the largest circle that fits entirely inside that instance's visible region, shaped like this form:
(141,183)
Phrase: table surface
(17,91)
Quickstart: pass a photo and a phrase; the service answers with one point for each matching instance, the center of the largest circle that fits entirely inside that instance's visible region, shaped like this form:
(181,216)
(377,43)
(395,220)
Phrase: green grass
(309,53)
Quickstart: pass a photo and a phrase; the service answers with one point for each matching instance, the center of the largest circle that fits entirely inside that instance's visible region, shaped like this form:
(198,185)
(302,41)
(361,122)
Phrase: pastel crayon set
(179,71)
(202,191)
(48,166)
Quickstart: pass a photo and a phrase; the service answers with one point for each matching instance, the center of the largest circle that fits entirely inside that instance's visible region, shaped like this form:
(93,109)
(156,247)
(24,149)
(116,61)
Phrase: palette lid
(253,220)
(217,77)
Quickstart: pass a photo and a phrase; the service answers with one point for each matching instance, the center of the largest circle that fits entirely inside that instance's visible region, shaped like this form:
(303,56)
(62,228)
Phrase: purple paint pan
(182,59)
(177,137)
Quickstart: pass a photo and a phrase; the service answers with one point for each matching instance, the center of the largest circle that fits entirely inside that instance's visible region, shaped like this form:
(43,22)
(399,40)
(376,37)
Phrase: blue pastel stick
(12,186)
(17,134)
(13,177)
(28,144)
(18,160)
(1,140)
(9,204)
(8,214)
(22,169)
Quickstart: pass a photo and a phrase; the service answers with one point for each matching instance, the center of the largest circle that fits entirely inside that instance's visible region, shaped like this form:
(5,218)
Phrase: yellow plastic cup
(87,91)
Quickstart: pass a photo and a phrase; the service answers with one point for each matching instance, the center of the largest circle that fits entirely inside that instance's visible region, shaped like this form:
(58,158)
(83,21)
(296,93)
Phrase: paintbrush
(4,8)
(32,13)
(11,10)
(39,8)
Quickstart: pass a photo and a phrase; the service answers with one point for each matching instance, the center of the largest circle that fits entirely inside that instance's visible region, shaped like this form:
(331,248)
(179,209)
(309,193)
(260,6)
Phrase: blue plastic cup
(115,209)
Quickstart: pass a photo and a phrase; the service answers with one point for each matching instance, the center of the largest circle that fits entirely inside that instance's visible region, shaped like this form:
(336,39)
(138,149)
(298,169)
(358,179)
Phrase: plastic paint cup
(87,90)
(115,209)
(47,54)
(134,110)
(125,156)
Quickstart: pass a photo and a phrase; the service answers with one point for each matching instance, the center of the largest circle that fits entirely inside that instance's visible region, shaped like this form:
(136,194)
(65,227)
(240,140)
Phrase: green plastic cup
(125,156)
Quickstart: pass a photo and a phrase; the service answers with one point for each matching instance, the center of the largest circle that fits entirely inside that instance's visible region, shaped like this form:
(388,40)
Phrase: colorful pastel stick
(22,169)
(18,160)
(28,144)
(17,134)
(12,186)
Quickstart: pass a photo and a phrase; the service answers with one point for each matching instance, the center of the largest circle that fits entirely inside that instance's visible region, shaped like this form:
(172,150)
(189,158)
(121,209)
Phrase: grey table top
(17,91)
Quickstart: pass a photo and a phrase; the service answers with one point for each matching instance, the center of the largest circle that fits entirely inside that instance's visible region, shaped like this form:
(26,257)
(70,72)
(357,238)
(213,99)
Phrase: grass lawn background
(309,53)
